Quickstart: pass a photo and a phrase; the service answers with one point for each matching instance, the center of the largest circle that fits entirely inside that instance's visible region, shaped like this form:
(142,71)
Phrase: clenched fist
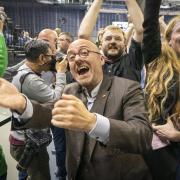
(70,113)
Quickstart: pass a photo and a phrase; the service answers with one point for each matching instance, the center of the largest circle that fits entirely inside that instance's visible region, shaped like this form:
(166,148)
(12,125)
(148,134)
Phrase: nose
(113,41)
(78,58)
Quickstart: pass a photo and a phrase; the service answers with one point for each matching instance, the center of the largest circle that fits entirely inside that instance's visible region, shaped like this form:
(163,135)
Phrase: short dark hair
(67,34)
(34,48)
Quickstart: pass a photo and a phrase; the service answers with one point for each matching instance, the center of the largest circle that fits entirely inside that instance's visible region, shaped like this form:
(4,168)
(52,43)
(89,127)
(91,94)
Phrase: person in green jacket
(3,65)
(3,49)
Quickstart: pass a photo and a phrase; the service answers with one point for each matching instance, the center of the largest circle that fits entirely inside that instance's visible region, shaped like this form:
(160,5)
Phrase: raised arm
(89,21)
(137,19)
(129,32)
(151,39)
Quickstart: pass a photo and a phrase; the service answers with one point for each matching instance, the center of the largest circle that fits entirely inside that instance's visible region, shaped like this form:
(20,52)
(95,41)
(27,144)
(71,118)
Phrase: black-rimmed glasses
(82,53)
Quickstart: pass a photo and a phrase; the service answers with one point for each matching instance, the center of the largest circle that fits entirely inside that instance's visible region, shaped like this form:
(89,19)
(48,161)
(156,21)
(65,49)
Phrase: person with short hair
(113,44)
(65,39)
(28,81)
(105,118)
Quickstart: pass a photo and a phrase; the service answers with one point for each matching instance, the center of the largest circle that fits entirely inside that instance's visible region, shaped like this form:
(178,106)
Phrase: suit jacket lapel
(98,107)
(99,103)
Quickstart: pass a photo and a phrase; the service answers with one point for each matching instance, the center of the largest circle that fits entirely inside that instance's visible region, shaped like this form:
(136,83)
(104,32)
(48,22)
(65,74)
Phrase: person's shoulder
(25,74)
(122,79)
(71,88)
(123,82)
(123,86)
(23,67)
(25,70)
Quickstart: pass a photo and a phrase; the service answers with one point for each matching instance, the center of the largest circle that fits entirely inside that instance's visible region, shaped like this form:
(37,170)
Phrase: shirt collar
(94,92)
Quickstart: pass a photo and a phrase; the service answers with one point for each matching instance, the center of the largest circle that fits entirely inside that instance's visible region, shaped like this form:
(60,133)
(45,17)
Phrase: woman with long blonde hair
(163,92)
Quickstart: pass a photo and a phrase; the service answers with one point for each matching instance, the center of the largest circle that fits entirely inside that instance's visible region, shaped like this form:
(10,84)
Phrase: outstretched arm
(11,97)
(151,39)
(89,20)
(137,19)
(34,115)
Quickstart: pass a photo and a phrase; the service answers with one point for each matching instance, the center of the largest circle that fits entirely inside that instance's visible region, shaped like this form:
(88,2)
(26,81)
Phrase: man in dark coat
(105,118)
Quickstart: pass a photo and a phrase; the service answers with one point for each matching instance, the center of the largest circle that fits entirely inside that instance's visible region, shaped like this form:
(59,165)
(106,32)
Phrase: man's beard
(113,57)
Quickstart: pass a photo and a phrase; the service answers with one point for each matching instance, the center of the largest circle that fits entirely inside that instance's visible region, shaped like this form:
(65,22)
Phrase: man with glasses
(104,117)
(29,81)
(49,36)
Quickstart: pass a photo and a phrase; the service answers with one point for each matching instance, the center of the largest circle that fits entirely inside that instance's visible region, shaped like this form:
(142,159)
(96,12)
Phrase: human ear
(102,60)
(41,59)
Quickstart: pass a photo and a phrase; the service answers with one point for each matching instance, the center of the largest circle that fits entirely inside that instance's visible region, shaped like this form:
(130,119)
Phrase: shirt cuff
(27,114)
(101,129)
(62,75)
(60,78)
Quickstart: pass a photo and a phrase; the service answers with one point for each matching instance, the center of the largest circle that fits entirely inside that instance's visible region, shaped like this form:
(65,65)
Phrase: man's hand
(70,113)
(61,66)
(10,97)
(167,131)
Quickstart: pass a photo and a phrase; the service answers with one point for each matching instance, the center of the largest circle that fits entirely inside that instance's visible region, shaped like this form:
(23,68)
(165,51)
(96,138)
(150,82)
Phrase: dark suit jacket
(122,102)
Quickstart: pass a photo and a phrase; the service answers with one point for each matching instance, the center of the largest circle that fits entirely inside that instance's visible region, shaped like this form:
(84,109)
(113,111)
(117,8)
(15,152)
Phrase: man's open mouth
(83,70)
(113,48)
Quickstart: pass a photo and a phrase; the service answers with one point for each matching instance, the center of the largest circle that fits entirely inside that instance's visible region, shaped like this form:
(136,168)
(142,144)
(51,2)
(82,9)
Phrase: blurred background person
(65,39)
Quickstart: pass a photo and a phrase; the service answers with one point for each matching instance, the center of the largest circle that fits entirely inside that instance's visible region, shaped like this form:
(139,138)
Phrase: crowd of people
(105,123)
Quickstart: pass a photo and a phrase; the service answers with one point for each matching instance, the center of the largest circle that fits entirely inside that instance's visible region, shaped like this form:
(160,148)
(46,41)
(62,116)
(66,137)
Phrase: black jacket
(128,66)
